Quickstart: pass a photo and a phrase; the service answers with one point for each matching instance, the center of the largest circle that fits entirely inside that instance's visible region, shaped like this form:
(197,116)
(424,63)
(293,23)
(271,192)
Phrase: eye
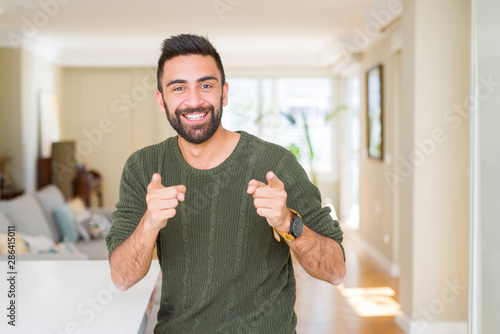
(178,89)
(206,86)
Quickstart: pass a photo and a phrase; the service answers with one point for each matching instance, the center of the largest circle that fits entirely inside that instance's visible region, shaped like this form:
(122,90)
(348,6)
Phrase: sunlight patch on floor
(371,302)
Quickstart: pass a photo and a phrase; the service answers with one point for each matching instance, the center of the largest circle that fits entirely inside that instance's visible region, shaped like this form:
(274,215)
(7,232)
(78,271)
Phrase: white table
(56,297)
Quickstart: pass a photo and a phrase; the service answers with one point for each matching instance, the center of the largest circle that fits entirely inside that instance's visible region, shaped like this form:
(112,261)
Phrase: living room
(91,69)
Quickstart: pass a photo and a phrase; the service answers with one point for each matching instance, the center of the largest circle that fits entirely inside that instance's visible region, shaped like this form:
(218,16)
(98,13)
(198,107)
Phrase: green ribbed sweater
(223,271)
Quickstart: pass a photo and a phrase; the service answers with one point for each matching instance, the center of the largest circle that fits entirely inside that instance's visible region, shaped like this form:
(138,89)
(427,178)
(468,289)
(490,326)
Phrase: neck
(211,153)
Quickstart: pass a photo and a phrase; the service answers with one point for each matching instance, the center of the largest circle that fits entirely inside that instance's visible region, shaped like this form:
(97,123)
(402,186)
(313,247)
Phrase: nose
(194,99)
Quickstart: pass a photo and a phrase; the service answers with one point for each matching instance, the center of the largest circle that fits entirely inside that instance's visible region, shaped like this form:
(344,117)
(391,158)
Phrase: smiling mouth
(195,116)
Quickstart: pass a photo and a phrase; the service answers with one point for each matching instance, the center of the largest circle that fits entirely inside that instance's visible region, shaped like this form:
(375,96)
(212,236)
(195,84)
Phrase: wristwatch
(296,228)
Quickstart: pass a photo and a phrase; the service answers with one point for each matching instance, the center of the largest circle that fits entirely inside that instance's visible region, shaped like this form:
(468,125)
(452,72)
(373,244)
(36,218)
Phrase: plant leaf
(290,118)
(334,113)
(295,150)
(306,129)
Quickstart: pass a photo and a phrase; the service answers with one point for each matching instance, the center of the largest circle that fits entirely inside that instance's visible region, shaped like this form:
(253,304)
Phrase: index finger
(274,181)
(253,185)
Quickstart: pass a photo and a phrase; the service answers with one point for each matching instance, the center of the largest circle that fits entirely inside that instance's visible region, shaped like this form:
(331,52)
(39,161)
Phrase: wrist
(294,228)
(149,226)
(285,226)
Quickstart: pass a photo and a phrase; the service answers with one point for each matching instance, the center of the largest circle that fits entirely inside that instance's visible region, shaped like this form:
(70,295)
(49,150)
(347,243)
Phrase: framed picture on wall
(374,98)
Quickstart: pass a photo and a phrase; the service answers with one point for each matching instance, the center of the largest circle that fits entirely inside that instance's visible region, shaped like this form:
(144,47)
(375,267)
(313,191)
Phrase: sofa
(47,227)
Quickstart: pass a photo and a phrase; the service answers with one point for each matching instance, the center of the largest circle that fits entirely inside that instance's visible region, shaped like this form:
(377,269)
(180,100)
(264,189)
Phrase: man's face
(193,96)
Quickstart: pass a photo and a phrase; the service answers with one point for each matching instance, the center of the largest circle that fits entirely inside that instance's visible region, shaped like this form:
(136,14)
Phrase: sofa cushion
(98,225)
(77,205)
(51,198)
(81,225)
(38,243)
(66,223)
(20,245)
(82,215)
(95,249)
(47,257)
(27,215)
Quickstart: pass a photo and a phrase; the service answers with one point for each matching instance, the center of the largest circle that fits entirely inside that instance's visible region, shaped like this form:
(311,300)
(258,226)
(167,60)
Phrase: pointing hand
(270,201)
(162,201)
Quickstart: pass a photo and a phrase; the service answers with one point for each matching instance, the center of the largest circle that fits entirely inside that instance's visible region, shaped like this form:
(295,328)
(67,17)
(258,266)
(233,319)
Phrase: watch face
(298,226)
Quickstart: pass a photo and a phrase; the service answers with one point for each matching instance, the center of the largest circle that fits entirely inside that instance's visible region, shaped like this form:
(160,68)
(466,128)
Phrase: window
(279,110)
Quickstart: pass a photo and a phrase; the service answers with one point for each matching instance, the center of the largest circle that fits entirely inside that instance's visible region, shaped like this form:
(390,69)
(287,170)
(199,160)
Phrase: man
(223,208)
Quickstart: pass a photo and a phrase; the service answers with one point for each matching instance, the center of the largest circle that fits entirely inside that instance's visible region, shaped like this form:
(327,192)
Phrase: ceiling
(286,33)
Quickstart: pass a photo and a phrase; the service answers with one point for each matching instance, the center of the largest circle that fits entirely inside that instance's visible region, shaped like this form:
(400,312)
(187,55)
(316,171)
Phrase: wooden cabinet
(10,193)
(86,184)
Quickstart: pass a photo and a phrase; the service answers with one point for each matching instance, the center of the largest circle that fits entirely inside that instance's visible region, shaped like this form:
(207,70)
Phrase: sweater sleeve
(304,197)
(131,204)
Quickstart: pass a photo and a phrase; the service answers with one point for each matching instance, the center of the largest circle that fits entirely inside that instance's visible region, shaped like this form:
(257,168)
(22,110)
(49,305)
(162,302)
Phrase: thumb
(274,181)
(156,181)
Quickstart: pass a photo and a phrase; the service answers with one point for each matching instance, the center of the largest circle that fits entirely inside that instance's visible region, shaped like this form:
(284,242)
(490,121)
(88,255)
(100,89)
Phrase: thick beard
(195,134)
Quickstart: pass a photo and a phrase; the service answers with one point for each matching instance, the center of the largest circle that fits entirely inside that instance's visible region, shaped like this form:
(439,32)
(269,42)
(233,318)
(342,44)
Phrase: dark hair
(183,45)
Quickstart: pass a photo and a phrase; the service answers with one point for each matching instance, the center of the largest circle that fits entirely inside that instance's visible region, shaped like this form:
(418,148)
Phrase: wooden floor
(365,303)
(325,309)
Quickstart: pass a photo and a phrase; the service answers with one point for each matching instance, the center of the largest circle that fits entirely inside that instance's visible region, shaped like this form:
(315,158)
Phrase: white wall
(10,111)
(486,248)
(25,75)
(489,151)
(378,189)
(435,193)
(37,75)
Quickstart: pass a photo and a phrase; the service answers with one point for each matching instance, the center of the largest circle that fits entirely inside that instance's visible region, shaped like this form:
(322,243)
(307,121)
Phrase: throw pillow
(66,223)
(82,215)
(98,225)
(77,205)
(81,225)
(50,198)
(38,243)
(20,247)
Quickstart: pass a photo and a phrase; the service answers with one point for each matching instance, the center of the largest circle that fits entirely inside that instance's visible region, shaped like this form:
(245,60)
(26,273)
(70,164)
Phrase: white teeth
(195,117)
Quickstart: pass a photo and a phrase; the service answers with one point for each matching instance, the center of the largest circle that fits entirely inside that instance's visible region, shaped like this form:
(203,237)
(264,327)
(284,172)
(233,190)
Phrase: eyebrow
(181,81)
(207,78)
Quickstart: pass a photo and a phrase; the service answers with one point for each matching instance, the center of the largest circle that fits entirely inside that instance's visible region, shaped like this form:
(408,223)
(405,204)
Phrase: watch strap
(287,236)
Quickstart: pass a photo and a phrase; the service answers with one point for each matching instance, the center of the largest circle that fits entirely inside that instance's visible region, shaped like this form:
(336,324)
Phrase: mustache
(180,112)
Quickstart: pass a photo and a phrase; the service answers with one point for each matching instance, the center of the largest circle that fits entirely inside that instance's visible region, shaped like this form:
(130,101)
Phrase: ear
(225,90)
(159,100)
